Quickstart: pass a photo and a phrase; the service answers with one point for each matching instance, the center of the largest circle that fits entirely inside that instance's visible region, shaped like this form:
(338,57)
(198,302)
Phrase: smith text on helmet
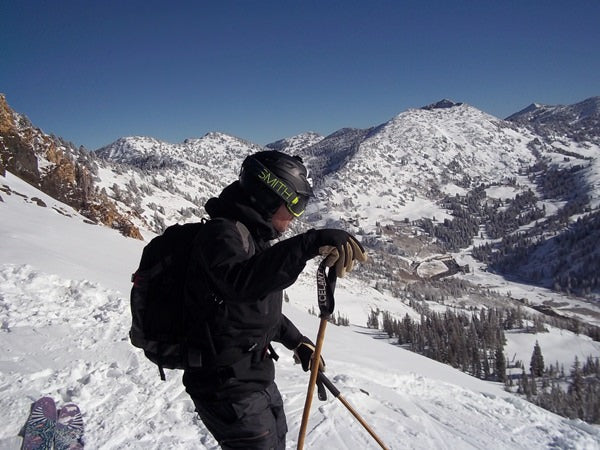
(277,185)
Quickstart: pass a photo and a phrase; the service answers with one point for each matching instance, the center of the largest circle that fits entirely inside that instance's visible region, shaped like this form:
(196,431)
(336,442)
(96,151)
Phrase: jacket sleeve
(237,277)
(288,335)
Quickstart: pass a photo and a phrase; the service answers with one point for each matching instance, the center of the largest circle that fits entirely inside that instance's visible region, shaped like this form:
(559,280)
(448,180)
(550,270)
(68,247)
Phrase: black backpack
(160,312)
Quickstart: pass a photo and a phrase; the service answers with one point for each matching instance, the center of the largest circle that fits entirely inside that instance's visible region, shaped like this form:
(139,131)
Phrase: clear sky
(93,71)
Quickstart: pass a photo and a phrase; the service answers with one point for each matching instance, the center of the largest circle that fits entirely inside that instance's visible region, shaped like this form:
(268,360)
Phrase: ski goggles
(295,203)
(297,206)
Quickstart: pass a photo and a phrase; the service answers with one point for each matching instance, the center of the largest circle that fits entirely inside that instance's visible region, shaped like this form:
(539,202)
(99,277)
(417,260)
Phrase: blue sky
(94,71)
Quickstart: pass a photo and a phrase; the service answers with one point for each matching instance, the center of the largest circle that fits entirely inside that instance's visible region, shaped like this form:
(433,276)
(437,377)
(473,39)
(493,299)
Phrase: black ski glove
(303,354)
(340,249)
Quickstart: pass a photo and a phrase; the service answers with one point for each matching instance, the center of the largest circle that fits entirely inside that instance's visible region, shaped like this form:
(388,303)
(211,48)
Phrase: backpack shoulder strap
(247,240)
(246,236)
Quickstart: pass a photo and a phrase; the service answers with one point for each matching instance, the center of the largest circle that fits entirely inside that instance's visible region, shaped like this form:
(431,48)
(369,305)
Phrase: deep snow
(64,322)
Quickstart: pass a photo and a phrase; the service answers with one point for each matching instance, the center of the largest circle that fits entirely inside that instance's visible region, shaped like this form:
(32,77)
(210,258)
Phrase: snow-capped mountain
(421,154)
(296,144)
(399,185)
(460,212)
(570,136)
(166,183)
(63,333)
(58,168)
(214,150)
(579,122)
(381,181)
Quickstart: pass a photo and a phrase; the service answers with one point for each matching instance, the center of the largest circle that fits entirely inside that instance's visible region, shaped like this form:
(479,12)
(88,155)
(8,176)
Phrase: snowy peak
(161,183)
(151,153)
(587,109)
(129,147)
(447,144)
(218,138)
(418,155)
(580,121)
(295,144)
(528,111)
(143,152)
(224,145)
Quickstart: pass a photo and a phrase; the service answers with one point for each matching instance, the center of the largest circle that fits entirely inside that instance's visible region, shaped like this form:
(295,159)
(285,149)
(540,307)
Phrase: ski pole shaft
(337,394)
(313,380)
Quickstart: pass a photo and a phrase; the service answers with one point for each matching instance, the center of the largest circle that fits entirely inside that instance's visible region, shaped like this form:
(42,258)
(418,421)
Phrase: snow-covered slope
(64,323)
(382,181)
(296,144)
(570,136)
(579,121)
(419,154)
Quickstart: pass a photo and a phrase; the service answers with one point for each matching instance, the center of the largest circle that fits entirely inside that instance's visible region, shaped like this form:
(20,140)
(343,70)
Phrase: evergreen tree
(533,384)
(536,365)
(576,386)
(373,320)
(500,364)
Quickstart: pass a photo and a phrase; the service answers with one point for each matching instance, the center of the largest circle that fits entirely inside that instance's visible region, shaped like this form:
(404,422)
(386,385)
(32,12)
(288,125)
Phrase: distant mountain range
(580,122)
(480,233)
(444,178)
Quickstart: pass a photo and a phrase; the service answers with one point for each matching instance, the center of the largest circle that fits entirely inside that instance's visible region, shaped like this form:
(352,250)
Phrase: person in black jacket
(234,391)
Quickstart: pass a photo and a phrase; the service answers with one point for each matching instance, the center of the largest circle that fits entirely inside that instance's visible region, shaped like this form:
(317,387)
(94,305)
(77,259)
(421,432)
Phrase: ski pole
(325,288)
(312,382)
(337,394)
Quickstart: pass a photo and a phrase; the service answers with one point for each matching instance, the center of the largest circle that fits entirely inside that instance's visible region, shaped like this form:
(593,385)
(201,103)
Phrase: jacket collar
(233,203)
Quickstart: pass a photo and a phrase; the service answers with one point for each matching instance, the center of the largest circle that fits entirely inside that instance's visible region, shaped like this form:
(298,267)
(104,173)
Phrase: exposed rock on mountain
(442,104)
(56,168)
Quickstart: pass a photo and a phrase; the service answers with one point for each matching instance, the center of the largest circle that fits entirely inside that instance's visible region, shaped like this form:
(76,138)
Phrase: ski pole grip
(326,281)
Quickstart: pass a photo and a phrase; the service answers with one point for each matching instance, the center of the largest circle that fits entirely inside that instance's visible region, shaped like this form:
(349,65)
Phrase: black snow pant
(256,422)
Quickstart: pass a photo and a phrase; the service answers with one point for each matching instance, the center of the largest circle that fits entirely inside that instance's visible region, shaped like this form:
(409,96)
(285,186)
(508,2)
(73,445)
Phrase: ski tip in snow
(39,429)
(69,428)
(48,428)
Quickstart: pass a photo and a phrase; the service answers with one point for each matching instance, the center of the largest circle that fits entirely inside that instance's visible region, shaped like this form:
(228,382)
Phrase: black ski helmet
(272,178)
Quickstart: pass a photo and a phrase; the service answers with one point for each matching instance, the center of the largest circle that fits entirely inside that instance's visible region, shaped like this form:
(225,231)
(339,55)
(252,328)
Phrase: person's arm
(235,276)
(288,334)
(302,346)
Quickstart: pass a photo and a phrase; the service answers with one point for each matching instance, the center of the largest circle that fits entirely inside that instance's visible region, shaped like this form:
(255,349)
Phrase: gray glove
(340,249)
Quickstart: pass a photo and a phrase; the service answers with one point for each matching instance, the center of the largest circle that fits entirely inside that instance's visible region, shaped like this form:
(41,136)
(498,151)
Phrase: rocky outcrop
(442,104)
(16,155)
(56,168)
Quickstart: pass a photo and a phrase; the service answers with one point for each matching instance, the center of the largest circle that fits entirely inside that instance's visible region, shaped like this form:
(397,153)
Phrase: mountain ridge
(57,168)
(383,183)
(579,122)
(463,215)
